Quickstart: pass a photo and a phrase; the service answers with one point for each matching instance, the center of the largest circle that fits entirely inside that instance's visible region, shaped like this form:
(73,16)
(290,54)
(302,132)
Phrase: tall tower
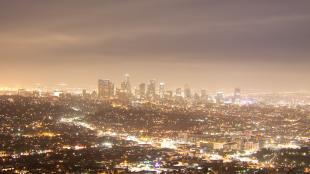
(178,92)
(237,95)
(125,85)
(105,89)
(162,90)
(142,90)
(219,97)
(128,84)
(151,89)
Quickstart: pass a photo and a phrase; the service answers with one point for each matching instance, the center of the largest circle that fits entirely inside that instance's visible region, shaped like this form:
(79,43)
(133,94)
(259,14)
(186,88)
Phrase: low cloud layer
(109,38)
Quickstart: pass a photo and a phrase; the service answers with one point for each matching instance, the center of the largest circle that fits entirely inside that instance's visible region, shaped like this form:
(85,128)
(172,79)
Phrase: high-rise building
(105,89)
(142,90)
(136,91)
(178,92)
(161,90)
(151,89)
(121,95)
(187,91)
(219,97)
(237,95)
(125,85)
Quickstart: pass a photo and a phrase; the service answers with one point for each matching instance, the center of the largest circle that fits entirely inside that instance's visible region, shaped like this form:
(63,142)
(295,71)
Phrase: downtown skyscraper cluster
(157,91)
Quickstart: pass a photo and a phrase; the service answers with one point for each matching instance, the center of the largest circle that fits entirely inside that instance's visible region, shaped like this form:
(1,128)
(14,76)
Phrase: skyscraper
(162,90)
(178,92)
(105,89)
(142,90)
(219,97)
(237,95)
(126,85)
(151,89)
(136,91)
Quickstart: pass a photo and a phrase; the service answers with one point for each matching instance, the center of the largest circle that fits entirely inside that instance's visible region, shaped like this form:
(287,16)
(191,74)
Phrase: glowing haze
(207,44)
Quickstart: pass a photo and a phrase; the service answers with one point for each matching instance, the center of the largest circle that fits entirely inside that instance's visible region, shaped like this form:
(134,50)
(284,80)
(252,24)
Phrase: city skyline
(155,86)
(159,87)
(260,45)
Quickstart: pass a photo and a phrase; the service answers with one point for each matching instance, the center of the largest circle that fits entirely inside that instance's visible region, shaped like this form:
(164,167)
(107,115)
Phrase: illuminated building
(125,85)
(105,89)
(237,95)
(136,91)
(151,89)
(161,90)
(178,92)
(219,97)
(230,146)
(251,146)
(36,93)
(57,93)
(142,90)
(119,93)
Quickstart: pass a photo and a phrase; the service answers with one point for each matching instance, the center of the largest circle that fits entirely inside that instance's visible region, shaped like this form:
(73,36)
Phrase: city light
(154,87)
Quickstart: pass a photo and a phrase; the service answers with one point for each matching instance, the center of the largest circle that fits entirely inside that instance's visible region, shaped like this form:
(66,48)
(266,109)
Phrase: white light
(107,144)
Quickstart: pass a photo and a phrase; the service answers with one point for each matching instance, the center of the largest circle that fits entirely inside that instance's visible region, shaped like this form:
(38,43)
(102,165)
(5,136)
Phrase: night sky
(208,44)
